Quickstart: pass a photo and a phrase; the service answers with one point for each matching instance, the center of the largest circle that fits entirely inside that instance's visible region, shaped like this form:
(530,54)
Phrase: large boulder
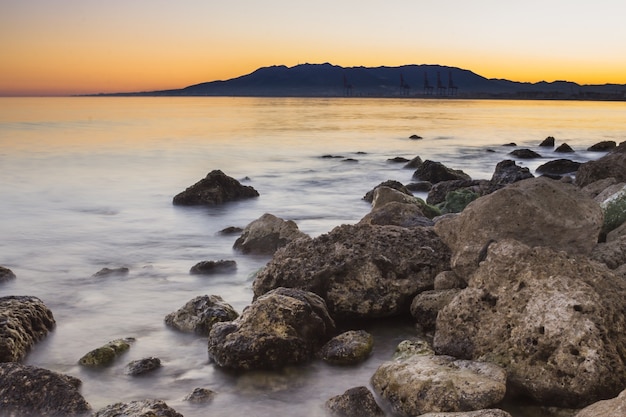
(435,172)
(31,391)
(24,321)
(141,408)
(537,212)
(362,271)
(215,188)
(266,234)
(612,164)
(423,383)
(200,314)
(614,407)
(283,327)
(554,322)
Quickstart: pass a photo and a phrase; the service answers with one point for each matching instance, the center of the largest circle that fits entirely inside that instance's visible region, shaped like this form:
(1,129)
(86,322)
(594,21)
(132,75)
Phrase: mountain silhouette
(327,80)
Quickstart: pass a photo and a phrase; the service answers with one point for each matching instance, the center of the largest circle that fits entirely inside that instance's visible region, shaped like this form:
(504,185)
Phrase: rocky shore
(516,286)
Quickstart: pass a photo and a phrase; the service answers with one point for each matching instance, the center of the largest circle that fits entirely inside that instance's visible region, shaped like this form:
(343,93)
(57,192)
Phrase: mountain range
(327,80)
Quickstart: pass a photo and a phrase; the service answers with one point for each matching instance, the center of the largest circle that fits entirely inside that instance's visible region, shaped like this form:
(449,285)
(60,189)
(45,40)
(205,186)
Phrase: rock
(414,163)
(457,200)
(385,195)
(6,274)
(420,384)
(415,137)
(439,191)
(142,408)
(23,322)
(603,146)
(616,233)
(362,271)
(597,187)
(142,366)
(106,354)
(493,412)
(448,280)
(614,208)
(612,254)
(31,391)
(231,230)
(419,186)
(396,185)
(552,321)
(525,154)
(398,214)
(558,167)
(266,234)
(564,148)
(435,172)
(201,396)
(537,212)
(284,327)
(426,306)
(508,172)
(355,402)
(215,188)
(408,348)
(547,142)
(107,272)
(398,160)
(200,314)
(348,348)
(510,144)
(615,407)
(213,267)
(612,164)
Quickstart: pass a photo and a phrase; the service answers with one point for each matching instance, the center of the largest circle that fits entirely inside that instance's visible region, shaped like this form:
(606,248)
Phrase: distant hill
(326,80)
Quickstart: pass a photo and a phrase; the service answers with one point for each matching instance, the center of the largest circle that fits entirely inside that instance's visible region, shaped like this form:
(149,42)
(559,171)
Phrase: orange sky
(85,46)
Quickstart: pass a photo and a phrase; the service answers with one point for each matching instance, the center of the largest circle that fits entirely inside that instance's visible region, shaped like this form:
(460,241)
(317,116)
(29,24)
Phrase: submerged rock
(215,188)
(355,402)
(107,272)
(213,267)
(266,234)
(348,348)
(6,274)
(200,314)
(142,366)
(105,355)
(201,396)
(23,322)
(142,408)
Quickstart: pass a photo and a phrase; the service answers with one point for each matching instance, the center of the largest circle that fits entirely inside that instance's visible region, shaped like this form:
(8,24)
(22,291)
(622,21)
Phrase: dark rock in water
(105,355)
(266,234)
(612,164)
(231,230)
(200,314)
(6,274)
(350,160)
(215,188)
(332,156)
(200,396)
(284,327)
(525,154)
(355,402)
(548,142)
(419,186)
(397,159)
(457,200)
(349,348)
(396,185)
(31,391)
(436,172)
(564,148)
(23,322)
(143,408)
(415,137)
(559,167)
(213,267)
(107,272)
(510,144)
(508,172)
(362,271)
(414,163)
(604,146)
(142,366)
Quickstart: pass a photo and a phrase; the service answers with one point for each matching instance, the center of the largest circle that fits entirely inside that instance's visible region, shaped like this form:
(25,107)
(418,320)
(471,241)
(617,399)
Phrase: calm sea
(87,183)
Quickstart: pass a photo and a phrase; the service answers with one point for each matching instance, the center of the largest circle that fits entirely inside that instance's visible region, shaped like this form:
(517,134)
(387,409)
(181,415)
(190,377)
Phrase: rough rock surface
(397,214)
(23,322)
(554,322)
(612,164)
(200,314)
(613,206)
(508,172)
(286,326)
(348,348)
(457,200)
(435,172)
(395,185)
(142,408)
(213,267)
(360,270)
(537,212)
(426,306)
(439,191)
(615,407)
(201,396)
(6,274)
(215,188)
(31,391)
(106,354)
(611,253)
(142,366)
(355,402)
(266,234)
(420,384)
(493,412)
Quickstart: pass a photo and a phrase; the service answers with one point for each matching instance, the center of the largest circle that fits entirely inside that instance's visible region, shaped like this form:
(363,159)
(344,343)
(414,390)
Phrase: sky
(65,47)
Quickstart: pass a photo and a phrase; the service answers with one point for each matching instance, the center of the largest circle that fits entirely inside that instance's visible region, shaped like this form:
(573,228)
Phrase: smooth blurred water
(87,183)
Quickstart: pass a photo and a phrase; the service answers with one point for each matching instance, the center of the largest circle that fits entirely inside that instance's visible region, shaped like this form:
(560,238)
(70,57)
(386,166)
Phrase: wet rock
(457,200)
(510,144)
(493,412)
(398,160)
(525,154)
(548,142)
(558,167)
(106,354)
(200,314)
(355,402)
(414,163)
(201,396)
(6,274)
(141,408)
(284,327)
(348,348)
(612,164)
(398,214)
(603,146)
(419,186)
(213,267)
(362,271)
(614,407)
(231,230)
(537,211)
(215,188)
(415,137)
(143,366)
(396,185)
(564,148)
(23,322)
(418,384)
(426,306)
(266,234)
(108,272)
(31,391)
(409,348)
(552,321)
(435,172)
(508,172)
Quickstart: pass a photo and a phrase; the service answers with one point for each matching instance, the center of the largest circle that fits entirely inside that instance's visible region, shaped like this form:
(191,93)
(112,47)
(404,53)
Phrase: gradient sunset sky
(59,47)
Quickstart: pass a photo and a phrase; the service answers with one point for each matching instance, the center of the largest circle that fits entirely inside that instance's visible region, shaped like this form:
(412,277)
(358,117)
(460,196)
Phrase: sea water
(87,183)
